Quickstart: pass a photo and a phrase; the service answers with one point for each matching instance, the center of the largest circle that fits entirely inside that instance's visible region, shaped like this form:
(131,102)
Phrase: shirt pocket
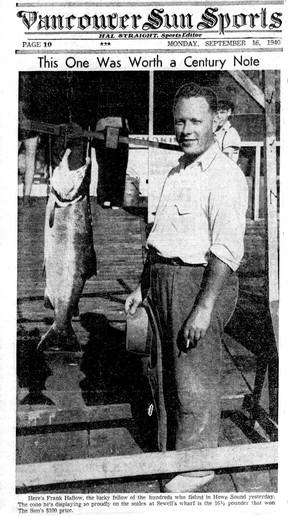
(186,219)
(188,214)
(185,206)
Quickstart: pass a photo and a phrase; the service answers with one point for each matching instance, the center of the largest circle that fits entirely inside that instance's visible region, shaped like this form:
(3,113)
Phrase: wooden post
(271,199)
(256,190)
(267,101)
(151,131)
(249,86)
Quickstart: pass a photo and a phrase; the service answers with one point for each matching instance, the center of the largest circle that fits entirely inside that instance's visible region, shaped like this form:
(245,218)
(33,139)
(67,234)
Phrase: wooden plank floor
(102,387)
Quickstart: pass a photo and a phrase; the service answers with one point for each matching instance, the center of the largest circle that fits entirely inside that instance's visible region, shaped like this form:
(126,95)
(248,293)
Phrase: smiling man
(227,137)
(194,249)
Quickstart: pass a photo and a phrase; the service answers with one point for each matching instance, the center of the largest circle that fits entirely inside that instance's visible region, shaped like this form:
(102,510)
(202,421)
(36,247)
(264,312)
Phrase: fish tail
(56,340)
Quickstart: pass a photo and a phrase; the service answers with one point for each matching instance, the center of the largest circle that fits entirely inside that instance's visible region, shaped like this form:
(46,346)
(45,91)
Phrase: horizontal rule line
(147,51)
(150,4)
(136,39)
(176,31)
(121,32)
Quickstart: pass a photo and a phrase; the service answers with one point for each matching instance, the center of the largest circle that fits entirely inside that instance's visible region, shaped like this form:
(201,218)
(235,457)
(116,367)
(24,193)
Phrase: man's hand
(133,301)
(196,326)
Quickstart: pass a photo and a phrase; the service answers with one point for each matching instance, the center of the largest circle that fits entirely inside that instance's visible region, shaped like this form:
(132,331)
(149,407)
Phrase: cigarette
(187,346)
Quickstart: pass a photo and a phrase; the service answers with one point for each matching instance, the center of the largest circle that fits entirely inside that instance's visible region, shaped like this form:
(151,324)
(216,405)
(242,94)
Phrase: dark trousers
(112,165)
(191,381)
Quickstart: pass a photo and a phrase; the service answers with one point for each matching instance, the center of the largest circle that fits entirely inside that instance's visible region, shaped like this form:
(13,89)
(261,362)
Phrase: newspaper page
(89,133)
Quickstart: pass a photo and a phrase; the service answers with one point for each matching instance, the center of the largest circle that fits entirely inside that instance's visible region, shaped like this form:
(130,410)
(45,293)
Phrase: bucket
(131,194)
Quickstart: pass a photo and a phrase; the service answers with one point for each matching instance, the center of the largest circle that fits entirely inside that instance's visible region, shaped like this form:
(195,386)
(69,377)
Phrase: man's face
(193,121)
(222,116)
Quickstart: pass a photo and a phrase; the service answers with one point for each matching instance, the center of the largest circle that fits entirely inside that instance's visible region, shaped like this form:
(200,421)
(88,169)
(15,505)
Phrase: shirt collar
(225,126)
(205,159)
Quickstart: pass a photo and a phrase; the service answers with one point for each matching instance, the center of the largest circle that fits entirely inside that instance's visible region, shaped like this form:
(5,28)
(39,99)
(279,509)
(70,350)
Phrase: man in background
(227,137)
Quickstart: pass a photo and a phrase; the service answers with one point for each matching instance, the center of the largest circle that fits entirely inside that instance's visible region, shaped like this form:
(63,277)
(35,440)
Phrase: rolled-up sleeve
(228,205)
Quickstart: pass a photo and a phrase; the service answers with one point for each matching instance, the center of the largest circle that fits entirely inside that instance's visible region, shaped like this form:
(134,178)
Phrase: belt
(157,258)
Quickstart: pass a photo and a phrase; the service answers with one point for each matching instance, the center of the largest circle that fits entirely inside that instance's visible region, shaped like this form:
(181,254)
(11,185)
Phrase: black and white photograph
(142,211)
(146,320)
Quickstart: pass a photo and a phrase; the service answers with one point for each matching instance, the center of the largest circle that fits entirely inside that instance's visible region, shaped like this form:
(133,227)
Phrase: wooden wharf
(95,403)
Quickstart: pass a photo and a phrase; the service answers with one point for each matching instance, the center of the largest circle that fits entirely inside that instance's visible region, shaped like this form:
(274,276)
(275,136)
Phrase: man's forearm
(215,276)
(198,322)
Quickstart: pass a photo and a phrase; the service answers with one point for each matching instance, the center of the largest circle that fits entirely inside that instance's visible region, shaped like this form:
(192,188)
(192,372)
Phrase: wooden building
(145,99)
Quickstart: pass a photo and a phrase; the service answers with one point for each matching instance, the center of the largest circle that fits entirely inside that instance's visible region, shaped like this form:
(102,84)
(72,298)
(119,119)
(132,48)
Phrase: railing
(256,184)
(168,142)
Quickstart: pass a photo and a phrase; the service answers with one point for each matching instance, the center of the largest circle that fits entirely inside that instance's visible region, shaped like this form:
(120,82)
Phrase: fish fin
(91,265)
(47,302)
(55,340)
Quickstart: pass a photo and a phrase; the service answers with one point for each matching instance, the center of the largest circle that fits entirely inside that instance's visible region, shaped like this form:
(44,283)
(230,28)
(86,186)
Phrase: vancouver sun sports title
(156,19)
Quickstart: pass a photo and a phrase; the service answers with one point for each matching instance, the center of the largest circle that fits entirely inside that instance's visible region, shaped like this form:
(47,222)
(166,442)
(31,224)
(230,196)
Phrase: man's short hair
(225,104)
(190,89)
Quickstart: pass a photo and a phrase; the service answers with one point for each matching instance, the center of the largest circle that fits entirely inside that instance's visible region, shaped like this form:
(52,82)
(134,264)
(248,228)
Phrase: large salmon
(69,255)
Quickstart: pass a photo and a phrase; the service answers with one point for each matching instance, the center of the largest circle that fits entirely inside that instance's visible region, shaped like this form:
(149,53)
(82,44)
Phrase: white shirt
(202,209)
(227,136)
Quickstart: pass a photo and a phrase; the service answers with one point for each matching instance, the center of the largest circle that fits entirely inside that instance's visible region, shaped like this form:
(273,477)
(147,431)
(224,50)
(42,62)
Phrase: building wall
(98,94)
